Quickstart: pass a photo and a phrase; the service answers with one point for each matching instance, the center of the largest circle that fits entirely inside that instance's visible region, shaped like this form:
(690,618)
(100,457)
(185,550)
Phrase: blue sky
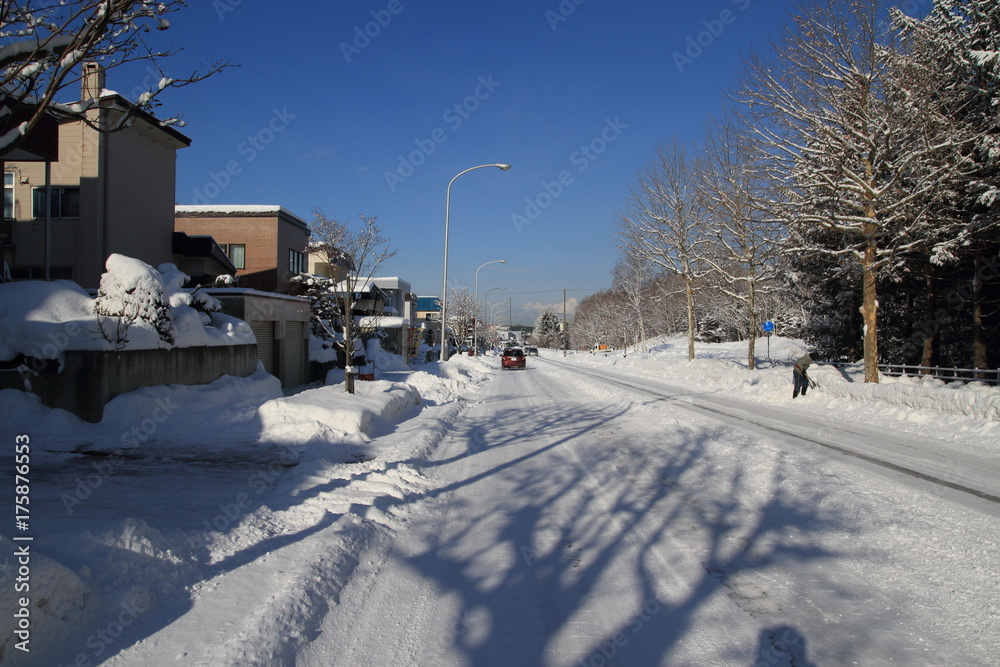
(372,107)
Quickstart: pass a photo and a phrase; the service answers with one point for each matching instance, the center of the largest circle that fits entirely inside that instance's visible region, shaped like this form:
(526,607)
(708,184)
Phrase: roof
(238,211)
(110,96)
(201,246)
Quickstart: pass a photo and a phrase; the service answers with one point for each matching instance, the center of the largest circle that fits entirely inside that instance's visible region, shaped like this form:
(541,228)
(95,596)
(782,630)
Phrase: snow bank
(320,415)
(42,320)
(723,366)
(183,483)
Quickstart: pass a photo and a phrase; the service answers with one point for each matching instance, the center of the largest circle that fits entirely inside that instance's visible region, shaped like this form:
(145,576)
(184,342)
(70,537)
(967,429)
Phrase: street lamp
(444,282)
(475,327)
(493,316)
(486,300)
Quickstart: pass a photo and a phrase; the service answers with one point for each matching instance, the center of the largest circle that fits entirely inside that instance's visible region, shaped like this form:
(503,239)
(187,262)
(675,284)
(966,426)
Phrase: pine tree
(547,331)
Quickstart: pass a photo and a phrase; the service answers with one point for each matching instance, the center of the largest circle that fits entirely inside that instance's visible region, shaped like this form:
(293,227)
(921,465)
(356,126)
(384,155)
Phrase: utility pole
(565,339)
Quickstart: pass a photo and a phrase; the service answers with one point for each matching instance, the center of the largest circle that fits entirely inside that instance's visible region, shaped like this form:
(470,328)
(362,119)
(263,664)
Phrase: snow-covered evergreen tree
(131,291)
(948,74)
(547,331)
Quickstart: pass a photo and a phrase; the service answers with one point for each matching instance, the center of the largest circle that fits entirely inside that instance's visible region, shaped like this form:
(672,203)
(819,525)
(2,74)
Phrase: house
(266,244)
(429,318)
(328,263)
(386,305)
(428,308)
(109,192)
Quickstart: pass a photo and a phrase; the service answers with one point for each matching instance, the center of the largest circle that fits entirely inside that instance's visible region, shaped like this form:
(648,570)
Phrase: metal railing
(988,375)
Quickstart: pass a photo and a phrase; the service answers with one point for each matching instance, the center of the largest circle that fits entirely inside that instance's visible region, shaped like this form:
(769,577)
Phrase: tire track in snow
(734,419)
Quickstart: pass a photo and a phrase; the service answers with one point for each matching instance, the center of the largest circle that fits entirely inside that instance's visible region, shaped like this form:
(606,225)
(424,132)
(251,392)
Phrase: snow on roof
(237,209)
(370,322)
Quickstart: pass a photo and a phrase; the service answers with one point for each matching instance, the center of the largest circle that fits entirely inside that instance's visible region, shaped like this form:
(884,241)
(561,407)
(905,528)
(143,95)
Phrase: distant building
(266,244)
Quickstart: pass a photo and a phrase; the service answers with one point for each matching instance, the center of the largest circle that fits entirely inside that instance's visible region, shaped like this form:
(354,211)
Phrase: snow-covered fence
(991,375)
(86,380)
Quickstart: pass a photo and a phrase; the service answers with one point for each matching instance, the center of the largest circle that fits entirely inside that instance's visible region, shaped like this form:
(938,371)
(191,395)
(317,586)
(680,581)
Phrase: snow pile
(138,307)
(723,366)
(183,488)
(317,416)
(43,319)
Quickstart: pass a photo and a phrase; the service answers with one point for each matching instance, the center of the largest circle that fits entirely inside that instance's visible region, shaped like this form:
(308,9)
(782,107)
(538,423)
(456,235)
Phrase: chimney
(92,81)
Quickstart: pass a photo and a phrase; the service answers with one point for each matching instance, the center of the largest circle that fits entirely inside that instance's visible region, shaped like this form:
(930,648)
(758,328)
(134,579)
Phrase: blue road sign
(768,326)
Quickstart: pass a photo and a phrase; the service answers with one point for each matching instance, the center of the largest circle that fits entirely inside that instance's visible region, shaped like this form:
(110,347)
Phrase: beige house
(111,192)
(267,244)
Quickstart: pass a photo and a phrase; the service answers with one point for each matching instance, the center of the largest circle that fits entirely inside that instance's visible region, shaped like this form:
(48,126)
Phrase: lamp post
(475,327)
(486,300)
(444,282)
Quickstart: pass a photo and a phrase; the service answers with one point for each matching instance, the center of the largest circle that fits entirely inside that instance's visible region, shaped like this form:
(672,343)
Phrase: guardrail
(988,375)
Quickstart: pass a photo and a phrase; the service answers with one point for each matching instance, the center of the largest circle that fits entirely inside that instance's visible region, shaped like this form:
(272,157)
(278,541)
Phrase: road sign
(768,326)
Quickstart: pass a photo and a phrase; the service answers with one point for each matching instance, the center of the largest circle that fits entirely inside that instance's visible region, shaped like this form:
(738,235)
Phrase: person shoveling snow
(800,376)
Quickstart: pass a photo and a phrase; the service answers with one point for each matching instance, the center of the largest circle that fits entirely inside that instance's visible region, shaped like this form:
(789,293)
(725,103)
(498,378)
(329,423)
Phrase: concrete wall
(88,380)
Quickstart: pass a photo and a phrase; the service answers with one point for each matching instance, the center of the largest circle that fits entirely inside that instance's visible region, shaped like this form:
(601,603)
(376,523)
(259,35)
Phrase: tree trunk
(351,372)
(979,349)
(929,356)
(692,324)
(752,317)
(869,311)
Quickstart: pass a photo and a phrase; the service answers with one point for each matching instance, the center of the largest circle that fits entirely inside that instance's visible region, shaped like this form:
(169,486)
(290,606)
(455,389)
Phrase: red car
(512,358)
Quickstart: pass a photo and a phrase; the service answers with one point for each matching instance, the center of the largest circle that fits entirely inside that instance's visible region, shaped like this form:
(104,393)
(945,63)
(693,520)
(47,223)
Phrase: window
(65,202)
(237,253)
(296,261)
(38,273)
(8,195)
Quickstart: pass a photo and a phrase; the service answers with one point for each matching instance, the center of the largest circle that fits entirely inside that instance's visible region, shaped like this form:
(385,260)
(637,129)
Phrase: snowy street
(589,510)
(566,530)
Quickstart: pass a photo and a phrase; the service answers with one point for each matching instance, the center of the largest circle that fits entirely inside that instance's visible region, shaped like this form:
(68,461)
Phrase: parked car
(513,358)
(530,351)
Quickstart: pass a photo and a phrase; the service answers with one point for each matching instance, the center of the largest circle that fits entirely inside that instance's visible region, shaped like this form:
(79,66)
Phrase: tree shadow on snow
(621,545)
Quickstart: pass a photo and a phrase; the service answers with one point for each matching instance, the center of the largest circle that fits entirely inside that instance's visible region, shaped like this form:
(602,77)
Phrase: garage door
(295,354)
(264,332)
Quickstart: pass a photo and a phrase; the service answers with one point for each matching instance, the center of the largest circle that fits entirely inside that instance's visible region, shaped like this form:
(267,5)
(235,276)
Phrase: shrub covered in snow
(132,292)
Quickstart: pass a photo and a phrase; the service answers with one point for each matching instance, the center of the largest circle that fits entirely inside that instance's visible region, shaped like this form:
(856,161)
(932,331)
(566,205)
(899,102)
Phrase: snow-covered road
(591,510)
(570,520)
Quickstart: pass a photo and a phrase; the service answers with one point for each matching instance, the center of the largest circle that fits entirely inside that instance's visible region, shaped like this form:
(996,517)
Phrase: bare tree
(46,42)
(463,312)
(362,250)
(847,161)
(631,280)
(748,243)
(664,222)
